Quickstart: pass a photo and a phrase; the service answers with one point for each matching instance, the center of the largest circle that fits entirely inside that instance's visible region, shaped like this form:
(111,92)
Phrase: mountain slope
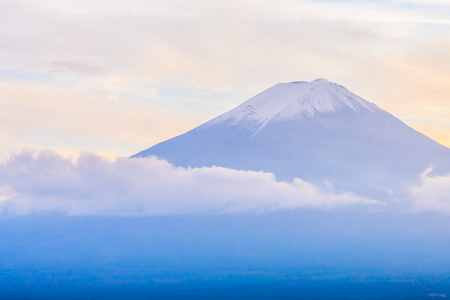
(318,131)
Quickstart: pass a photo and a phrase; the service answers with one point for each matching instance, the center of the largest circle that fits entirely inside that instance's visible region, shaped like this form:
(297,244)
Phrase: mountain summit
(317,131)
(295,100)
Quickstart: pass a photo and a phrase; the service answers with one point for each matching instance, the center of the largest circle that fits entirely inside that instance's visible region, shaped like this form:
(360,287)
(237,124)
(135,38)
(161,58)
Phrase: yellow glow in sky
(115,79)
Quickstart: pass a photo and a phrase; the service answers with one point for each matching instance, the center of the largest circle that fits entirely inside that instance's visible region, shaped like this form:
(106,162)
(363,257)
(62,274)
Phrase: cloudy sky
(115,77)
(37,182)
(92,185)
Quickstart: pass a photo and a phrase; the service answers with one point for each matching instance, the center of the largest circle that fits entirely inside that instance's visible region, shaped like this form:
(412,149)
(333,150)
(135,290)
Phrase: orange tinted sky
(115,77)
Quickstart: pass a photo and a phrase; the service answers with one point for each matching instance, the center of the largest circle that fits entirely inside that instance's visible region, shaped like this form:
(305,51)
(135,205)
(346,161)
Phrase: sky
(113,77)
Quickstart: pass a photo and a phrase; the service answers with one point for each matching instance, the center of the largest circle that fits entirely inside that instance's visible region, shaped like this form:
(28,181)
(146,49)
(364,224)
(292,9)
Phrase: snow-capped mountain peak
(294,100)
(317,131)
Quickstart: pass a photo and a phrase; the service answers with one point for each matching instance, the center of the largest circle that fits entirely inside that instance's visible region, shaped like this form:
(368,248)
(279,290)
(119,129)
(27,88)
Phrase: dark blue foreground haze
(312,254)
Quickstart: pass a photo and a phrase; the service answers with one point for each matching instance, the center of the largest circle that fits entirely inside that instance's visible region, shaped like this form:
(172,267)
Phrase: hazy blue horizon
(306,253)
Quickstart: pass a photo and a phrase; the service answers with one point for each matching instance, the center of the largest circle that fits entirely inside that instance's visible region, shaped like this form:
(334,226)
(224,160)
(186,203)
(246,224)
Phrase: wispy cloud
(63,67)
(433,194)
(91,185)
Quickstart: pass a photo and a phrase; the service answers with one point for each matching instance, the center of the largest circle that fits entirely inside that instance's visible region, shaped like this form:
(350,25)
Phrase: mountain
(317,131)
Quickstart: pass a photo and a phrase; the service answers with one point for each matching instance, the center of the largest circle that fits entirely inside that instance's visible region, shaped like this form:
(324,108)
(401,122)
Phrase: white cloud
(433,194)
(426,2)
(44,181)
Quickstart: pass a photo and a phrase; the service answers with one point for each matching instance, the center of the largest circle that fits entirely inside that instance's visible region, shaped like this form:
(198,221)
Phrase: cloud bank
(91,185)
(433,194)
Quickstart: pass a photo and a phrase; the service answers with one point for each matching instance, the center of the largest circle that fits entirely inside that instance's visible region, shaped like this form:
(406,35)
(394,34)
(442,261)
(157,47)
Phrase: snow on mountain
(317,131)
(293,100)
